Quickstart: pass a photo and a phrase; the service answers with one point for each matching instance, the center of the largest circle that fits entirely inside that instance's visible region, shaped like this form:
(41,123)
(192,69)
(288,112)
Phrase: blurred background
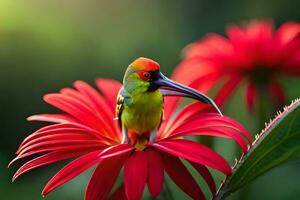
(46,45)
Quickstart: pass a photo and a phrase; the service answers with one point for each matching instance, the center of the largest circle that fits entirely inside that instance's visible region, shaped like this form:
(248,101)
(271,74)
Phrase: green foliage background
(46,45)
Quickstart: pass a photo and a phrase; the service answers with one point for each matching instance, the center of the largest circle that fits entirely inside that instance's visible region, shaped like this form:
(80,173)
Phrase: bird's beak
(172,88)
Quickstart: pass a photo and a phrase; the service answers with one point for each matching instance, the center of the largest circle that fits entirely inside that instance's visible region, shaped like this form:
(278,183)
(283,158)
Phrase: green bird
(140,101)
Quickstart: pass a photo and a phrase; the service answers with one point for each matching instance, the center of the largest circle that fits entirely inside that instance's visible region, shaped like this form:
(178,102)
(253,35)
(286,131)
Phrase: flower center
(261,75)
(141,143)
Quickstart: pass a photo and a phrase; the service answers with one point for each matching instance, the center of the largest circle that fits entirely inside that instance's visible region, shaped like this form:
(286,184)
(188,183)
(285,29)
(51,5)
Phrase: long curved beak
(172,88)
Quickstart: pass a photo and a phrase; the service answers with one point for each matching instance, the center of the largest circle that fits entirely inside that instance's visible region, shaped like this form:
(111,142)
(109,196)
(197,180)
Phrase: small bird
(141,99)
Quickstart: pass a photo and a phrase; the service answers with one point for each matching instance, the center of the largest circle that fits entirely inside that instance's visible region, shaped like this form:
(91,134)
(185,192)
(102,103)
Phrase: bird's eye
(144,76)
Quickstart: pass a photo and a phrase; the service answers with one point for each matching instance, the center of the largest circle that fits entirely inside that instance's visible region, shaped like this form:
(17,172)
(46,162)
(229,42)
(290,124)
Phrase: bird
(140,102)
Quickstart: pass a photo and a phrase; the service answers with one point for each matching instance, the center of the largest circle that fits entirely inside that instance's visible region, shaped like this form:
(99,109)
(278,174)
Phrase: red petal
(181,176)
(192,75)
(116,150)
(82,147)
(209,128)
(95,97)
(287,32)
(227,89)
(56,145)
(190,70)
(170,103)
(135,175)
(105,177)
(110,89)
(82,163)
(67,127)
(55,118)
(251,95)
(205,173)
(103,108)
(88,103)
(211,120)
(260,31)
(183,116)
(77,109)
(195,152)
(206,82)
(155,172)
(119,194)
(45,160)
(220,132)
(277,92)
(57,138)
(74,94)
(236,35)
(72,170)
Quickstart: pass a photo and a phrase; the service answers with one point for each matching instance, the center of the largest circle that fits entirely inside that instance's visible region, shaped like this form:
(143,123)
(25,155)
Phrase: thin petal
(195,152)
(56,145)
(58,128)
(74,94)
(277,92)
(219,132)
(202,84)
(82,163)
(46,159)
(226,90)
(119,194)
(206,175)
(155,172)
(104,177)
(287,32)
(54,118)
(57,138)
(135,175)
(211,128)
(116,150)
(95,97)
(185,115)
(211,120)
(102,107)
(82,147)
(251,93)
(110,89)
(72,170)
(181,176)
(77,109)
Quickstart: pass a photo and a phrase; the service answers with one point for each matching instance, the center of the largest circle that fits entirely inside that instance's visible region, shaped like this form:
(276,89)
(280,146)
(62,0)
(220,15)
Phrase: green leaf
(278,143)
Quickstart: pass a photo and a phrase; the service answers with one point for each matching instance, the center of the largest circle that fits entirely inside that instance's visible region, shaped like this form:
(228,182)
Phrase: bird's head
(143,75)
(140,75)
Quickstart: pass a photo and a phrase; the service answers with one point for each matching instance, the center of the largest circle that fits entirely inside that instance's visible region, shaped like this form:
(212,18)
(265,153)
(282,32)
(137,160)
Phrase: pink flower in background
(87,132)
(253,53)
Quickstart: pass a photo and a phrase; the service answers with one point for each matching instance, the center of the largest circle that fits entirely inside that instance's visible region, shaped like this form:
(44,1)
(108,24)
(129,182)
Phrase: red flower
(253,52)
(87,130)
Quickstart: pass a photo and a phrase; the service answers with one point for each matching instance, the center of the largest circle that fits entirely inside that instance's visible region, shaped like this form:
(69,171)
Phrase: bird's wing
(120,105)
